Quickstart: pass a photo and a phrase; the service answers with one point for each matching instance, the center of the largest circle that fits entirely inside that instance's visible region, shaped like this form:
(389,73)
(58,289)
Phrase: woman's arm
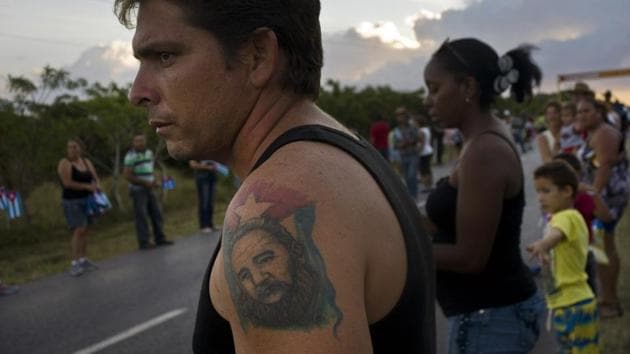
(543,148)
(94,174)
(606,145)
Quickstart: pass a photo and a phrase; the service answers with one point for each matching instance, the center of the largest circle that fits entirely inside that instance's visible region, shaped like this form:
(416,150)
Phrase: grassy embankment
(28,252)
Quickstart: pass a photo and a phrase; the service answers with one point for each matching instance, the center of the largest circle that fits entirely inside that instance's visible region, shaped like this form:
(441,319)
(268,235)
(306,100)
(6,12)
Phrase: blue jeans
(144,202)
(509,329)
(409,165)
(205,195)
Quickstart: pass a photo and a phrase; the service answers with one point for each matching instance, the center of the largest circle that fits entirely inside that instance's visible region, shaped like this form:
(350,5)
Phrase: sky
(365,42)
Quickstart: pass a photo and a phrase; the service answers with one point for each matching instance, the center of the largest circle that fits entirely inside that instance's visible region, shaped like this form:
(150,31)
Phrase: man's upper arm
(294,285)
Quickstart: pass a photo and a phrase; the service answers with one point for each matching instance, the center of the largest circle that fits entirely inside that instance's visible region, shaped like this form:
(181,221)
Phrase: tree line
(36,123)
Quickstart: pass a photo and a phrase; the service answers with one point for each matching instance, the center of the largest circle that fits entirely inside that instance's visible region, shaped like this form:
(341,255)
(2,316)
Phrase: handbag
(97,204)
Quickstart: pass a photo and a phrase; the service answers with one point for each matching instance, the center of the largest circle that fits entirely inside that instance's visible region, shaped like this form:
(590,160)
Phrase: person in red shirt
(379,131)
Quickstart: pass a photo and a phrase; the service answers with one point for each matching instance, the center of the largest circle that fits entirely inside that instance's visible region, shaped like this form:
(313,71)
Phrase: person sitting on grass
(562,252)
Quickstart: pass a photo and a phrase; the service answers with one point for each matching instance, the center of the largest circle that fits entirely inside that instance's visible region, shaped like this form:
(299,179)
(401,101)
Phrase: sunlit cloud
(388,33)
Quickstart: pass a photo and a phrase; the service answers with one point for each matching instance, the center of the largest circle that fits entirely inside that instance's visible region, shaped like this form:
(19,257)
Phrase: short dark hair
(472,57)
(599,106)
(553,103)
(295,23)
(560,173)
(571,159)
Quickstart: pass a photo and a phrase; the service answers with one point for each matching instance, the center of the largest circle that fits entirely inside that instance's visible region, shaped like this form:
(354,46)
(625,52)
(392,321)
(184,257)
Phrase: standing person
(322,250)
(139,171)
(483,287)
(563,252)
(394,155)
(517,126)
(205,178)
(581,91)
(606,173)
(570,135)
(549,140)
(592,207)
(406,144)
(437,135)
(426,153)
(379,131)
(79,180)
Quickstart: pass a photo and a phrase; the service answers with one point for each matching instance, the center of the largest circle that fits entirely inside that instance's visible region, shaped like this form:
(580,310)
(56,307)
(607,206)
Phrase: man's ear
(263,55)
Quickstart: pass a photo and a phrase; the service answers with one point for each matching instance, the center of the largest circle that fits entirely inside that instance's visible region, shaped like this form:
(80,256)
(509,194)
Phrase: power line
(43,40)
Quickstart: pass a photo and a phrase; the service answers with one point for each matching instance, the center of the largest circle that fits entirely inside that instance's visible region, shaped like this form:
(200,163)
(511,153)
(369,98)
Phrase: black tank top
(78,176)
(410,325)
(505,279)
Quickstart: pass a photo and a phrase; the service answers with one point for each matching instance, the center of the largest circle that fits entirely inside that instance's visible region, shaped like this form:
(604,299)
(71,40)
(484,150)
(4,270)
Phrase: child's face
(552,198)
(567,117)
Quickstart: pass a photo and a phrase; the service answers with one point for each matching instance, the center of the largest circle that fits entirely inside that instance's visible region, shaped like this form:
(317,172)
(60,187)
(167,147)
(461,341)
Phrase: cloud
(106,63)
(573,36)
(356,53)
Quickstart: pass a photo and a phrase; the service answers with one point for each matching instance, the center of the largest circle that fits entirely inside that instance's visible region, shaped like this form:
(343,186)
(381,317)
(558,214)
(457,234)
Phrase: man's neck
(274,113)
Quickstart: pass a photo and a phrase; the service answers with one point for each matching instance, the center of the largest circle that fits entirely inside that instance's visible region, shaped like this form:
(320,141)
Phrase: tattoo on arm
(277,278)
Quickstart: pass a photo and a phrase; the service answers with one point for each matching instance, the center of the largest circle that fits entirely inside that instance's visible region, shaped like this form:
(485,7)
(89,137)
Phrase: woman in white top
(426,152)
(549,140)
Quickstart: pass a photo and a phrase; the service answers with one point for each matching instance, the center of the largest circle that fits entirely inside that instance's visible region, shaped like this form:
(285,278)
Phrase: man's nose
(142,92)
(258,276)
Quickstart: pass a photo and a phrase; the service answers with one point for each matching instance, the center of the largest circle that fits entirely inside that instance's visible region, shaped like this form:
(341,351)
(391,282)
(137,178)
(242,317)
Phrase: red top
(585,204)
(379,131)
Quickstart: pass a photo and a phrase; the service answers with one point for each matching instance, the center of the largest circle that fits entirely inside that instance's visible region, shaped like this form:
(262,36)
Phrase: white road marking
(131,332)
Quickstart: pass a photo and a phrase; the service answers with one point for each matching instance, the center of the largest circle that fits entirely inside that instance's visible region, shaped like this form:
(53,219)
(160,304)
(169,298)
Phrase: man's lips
(157,124)
(160,126)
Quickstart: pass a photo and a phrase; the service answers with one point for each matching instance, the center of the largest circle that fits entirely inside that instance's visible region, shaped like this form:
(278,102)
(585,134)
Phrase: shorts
(576,328)
(425,165)
(616,212)
(75,211)
(507,329)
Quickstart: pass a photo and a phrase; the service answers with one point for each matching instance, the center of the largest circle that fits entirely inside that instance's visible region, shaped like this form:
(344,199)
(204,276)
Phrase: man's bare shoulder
(291,262)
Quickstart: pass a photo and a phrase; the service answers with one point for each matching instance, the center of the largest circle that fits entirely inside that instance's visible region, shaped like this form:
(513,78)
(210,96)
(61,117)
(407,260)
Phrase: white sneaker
(206,230)
(76,270)
(88,265)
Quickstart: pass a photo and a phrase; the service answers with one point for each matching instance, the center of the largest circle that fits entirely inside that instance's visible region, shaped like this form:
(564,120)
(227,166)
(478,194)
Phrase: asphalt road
(145,302)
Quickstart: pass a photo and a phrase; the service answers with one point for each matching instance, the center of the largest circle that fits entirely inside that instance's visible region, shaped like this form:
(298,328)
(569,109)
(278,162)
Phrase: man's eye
(266,259)
(166,58)
(243,275)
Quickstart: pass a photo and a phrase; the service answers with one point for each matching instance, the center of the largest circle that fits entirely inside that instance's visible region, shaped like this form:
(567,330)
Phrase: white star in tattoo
(251,208)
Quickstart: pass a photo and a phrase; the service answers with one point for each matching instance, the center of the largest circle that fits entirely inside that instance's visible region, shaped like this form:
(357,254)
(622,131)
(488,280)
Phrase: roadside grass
(28,252)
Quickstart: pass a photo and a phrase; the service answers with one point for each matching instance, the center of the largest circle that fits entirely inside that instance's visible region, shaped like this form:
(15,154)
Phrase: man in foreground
(320,222)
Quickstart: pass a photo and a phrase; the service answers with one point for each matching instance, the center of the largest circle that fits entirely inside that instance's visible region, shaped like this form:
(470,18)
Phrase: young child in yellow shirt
(562,252)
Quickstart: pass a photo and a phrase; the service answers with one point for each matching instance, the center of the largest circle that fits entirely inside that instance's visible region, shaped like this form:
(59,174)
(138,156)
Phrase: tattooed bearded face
(276,286)
(262,267)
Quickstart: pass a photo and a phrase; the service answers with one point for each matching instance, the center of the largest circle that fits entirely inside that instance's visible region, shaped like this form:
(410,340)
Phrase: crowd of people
(79,181)
(323,248)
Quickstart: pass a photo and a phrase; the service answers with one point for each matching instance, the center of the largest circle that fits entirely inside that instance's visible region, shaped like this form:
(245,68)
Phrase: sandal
(610,310)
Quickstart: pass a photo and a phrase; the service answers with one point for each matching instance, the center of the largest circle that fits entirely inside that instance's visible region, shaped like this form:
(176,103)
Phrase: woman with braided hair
(483,286)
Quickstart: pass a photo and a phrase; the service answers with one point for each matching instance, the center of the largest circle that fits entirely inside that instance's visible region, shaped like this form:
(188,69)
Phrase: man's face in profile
(262,267)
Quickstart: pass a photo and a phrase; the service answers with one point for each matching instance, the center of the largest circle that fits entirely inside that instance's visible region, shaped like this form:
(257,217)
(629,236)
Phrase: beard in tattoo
(275,286)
